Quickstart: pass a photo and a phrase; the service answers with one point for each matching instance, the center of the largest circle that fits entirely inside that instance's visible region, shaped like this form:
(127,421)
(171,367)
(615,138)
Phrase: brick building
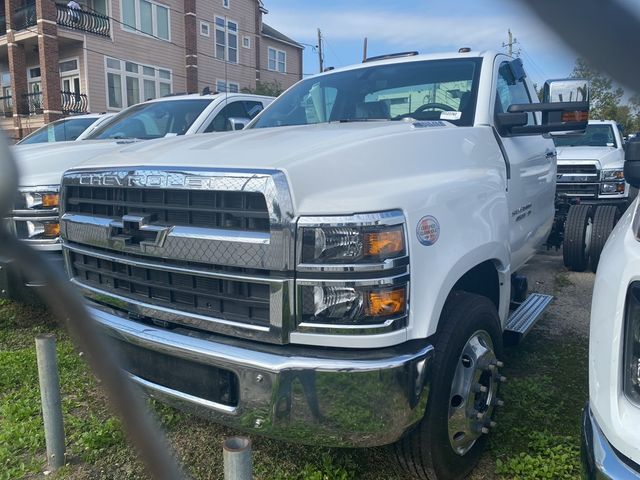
(105,55)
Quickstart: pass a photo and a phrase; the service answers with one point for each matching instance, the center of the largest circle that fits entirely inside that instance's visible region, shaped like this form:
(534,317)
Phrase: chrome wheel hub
(473,396)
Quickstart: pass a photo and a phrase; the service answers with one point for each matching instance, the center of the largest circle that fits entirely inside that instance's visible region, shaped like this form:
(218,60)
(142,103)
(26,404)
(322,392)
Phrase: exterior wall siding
(293,63)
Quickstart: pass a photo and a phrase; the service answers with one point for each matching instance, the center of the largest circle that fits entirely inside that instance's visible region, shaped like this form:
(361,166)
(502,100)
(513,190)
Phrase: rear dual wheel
(449,440)
(604,221)
(577,237)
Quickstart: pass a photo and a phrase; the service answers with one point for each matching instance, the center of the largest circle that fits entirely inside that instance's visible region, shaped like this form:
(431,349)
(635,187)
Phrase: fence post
(50,396)
(236,453)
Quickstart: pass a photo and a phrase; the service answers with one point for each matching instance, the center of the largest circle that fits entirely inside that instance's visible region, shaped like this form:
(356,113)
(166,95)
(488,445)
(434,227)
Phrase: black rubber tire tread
(423,451)
(604,220)
(574,253)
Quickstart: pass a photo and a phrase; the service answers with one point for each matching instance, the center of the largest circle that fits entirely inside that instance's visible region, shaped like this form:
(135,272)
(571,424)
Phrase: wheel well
(481,280)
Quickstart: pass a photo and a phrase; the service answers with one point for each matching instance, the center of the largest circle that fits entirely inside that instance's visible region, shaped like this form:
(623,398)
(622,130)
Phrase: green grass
(537,435)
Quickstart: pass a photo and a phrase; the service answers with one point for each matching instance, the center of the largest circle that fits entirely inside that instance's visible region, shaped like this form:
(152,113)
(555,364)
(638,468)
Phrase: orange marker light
(577,116)
(387,302)
(50,200)
(51,230)
(386,244)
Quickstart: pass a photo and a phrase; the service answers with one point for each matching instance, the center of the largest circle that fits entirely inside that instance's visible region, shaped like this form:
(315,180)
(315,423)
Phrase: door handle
(550,154)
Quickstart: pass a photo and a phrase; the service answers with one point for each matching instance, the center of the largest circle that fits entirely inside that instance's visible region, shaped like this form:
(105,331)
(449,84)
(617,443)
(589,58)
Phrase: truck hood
(44,163)
(608,157)
(331,167)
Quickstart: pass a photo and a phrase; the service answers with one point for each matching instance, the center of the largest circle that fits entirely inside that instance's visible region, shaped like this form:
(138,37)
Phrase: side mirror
(237,123)
(632,163)
(565,110)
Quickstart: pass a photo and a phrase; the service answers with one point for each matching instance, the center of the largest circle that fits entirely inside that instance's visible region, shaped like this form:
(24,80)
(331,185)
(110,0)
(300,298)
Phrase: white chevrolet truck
(611,438)
(592,192)
(35,216)
(339,272)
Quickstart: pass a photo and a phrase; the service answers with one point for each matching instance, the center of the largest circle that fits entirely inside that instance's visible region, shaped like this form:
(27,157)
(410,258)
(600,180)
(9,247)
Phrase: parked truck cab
(339,272)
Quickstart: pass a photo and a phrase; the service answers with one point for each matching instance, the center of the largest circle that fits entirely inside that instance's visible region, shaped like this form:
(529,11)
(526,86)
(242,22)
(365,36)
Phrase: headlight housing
(357,239)
(612,174)
(35,216)
(631,364)
(352,273)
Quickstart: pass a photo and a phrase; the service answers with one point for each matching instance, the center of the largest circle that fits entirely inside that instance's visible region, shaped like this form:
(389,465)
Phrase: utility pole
(364,50)
(512,41)
(320,57)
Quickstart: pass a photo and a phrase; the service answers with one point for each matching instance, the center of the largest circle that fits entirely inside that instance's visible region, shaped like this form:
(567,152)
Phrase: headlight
(357,239)
(612,174)
(609,188)
(39,198)
(41,229)
(352,305)
(631,364)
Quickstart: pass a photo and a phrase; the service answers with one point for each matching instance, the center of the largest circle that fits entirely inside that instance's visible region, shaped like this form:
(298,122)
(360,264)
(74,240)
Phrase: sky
(424,25)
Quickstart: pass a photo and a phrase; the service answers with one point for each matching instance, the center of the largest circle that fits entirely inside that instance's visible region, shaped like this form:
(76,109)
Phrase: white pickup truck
(592,192)
(339,272)
(35,216)
(611,438)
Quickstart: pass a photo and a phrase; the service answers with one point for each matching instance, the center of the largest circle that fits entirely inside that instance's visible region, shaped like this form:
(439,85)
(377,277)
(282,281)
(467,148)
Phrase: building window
(147,17)
(231,87)
(277,60)
(246,42)
(68,66)
(226,41)
(204,29)
(225,3)
(135,83)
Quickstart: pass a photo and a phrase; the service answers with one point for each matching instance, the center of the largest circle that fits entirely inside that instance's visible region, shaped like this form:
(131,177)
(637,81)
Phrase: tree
(605,99)
(270,89)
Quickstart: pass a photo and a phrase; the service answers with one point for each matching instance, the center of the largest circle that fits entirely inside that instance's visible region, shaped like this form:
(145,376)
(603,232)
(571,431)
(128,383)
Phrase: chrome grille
(578,189)
(191,208)
(221,298)
(210,249)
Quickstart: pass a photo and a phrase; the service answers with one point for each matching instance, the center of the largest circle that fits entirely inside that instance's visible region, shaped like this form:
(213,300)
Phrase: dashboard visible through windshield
(594,136)
(422,90)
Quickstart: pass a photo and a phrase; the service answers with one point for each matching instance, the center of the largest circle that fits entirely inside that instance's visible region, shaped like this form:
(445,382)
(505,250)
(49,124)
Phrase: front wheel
(449,440)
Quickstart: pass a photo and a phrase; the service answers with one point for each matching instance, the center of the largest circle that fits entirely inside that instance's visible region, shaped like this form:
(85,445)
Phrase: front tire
(449,440)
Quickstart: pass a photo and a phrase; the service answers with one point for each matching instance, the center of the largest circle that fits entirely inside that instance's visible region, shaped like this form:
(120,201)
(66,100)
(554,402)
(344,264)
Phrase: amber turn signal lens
(387,243)
(578,116)
(387,302)
(51,230)
(50,200)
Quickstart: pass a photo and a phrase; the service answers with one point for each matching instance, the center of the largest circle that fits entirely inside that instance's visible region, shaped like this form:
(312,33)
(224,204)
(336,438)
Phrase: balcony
(6,106)
(74,18)
(33,103)
(82,20)
(25,17)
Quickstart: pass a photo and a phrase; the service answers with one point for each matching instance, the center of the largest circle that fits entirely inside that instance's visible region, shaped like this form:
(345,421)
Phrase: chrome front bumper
(599,459)
(303,394)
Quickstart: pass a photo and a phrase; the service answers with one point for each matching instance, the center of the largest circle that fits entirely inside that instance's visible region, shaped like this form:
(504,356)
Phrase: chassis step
(522,320)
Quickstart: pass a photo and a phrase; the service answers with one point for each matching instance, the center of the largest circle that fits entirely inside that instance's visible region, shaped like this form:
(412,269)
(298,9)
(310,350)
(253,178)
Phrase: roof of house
(271,32)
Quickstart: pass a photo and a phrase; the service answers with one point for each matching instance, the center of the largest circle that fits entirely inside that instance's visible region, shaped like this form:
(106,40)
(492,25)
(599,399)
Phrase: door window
(511,91)
(233,109)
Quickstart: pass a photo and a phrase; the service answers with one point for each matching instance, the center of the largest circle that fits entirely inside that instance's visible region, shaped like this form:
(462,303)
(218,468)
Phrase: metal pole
(320,56)
(50,396)
(236,453)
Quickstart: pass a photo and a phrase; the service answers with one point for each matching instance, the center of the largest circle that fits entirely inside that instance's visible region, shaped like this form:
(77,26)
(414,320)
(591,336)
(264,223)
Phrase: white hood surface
(321,161)
(44,163)
(608,157)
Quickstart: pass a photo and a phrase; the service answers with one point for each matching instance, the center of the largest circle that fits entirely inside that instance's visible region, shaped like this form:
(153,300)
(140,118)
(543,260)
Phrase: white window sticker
(450,115)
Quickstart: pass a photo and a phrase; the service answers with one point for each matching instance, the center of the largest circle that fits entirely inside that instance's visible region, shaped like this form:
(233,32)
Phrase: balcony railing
(25,17)
(73,102)
(6,106)
(77,19)
(32,103)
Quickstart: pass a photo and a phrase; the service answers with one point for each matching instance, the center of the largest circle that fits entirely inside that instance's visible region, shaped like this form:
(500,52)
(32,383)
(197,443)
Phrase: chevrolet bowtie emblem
(135,230)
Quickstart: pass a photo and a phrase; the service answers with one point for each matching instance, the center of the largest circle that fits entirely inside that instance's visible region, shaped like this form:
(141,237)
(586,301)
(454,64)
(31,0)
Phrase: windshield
(59,131)
(594,136)
(423,90)
(146,121)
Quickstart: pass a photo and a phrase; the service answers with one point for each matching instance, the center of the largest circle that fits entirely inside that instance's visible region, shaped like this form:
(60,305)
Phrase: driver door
(531,169)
